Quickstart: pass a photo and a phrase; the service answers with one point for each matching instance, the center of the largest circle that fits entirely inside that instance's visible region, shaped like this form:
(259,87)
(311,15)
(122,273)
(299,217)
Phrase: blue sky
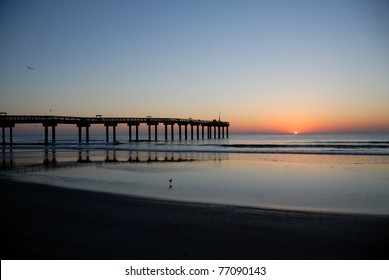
(265,65)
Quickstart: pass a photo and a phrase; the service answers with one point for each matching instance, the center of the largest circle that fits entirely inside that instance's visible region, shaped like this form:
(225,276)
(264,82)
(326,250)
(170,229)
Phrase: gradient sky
(266,66)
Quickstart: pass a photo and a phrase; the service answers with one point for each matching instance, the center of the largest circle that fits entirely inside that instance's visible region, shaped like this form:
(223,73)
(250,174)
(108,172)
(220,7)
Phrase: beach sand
(47,222)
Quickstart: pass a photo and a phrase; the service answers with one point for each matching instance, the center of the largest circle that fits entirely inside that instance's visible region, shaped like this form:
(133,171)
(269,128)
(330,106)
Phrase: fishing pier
(209,129)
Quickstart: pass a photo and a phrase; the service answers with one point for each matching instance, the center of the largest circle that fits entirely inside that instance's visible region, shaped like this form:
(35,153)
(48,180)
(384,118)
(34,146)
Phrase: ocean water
(345,173)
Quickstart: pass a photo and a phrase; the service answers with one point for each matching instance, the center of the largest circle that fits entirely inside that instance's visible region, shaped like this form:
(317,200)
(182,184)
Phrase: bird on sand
(30,68)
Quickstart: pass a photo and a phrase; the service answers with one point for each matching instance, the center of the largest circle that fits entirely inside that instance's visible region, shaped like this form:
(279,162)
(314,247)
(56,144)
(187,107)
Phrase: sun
(295,133)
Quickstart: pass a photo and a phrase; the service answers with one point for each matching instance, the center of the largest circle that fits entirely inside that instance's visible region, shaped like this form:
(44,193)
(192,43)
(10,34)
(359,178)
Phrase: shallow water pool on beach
(330,183)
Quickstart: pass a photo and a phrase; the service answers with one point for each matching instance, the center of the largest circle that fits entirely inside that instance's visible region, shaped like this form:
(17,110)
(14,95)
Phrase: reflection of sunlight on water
(328,182)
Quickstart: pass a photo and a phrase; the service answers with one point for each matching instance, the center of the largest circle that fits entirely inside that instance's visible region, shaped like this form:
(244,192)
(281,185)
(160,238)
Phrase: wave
(276,145)
(338,145)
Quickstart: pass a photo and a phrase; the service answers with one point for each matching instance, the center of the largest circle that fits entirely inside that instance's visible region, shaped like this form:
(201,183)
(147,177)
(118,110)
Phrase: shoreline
(49,222)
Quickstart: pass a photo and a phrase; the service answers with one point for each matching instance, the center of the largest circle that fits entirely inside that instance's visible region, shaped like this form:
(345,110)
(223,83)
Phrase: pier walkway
(213,129)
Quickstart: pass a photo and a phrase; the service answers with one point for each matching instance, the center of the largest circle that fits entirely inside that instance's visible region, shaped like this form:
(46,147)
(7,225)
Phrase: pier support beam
(87,133)
(46,134)
(218,131)
(80,126)
(214,132)
(179,132)
(202,131)
(186,132)
(171,130)
(155,130)
(130,124)
(10,135)
(107,125)
(3,134)
(191,131)
(53,134)
(46,126)
(79,134)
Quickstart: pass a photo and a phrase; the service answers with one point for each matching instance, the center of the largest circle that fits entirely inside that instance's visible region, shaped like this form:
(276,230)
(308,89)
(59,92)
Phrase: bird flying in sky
(29,67)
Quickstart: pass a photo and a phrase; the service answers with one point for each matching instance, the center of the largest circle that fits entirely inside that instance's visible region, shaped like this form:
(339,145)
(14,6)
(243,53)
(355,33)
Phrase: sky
(264,66)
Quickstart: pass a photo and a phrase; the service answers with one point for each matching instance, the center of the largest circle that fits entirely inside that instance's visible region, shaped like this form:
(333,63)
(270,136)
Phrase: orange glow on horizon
(309,125)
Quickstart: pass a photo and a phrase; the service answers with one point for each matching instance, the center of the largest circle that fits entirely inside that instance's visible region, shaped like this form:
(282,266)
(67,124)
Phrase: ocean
(341,173)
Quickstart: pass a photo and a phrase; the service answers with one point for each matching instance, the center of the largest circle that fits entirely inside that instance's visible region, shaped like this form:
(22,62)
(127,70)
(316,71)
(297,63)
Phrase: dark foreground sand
(44,222)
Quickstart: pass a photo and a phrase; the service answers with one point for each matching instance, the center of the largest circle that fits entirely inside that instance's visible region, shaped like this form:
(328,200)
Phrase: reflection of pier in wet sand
(213,129)
(84,157)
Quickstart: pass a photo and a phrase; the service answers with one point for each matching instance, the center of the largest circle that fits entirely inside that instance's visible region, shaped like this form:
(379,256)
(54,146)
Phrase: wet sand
(46,222)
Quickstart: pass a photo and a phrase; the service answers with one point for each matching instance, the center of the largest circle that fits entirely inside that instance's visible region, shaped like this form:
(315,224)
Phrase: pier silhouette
(214,128)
